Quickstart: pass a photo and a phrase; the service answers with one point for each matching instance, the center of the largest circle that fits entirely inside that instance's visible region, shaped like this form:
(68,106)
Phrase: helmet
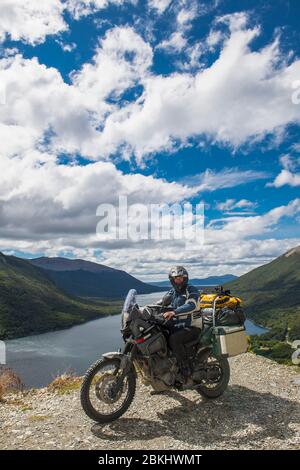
(178,271)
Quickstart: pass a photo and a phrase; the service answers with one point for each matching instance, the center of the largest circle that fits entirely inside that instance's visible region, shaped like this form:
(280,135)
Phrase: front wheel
(218,375)
(99,397)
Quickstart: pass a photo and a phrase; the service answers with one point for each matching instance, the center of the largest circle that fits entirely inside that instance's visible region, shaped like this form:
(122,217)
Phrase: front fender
(112,354)
(125,362)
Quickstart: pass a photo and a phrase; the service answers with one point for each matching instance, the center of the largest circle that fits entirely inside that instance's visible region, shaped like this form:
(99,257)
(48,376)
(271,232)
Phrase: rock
(296,381)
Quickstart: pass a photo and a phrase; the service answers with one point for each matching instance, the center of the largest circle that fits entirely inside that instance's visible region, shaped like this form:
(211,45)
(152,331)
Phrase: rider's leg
(177,341)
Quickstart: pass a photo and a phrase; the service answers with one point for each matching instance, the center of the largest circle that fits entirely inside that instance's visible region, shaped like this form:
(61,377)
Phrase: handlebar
(159,319)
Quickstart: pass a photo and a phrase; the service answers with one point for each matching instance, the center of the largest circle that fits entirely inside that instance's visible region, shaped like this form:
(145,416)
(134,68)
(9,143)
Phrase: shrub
(9,382)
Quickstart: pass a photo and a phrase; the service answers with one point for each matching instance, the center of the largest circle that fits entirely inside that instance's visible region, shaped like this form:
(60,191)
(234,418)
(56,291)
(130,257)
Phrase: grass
(10,382)
(38,418)
(64,384)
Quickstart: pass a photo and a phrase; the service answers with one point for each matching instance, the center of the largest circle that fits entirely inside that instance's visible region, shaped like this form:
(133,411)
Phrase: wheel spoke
(101,393)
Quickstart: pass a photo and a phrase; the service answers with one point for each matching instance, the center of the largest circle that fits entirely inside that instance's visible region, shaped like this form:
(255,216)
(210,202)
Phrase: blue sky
(162,101)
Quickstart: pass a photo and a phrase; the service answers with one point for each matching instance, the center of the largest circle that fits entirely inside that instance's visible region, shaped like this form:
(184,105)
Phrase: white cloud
(39,103)
(67,47)
(210,180)
(237,228)
(79,8)
(236,247)
(50,208)
(121,59)
(186,13)
(214,38)
(235,21)
(159,5)
(30,20)
(231,204)
(176,42)
(285,177)
(55,205)
(235,257)
(290,174)
(243,96)
(34,96)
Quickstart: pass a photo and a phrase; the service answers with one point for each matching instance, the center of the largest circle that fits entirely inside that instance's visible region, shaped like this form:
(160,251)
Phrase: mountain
(208,281)
(31,303)
(272,293)
(87,279)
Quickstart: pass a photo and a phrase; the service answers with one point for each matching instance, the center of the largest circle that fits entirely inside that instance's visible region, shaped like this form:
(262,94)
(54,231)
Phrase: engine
(164,369)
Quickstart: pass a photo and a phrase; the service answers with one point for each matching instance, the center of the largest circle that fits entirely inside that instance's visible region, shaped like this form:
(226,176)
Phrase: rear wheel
(218,375)
(99,398)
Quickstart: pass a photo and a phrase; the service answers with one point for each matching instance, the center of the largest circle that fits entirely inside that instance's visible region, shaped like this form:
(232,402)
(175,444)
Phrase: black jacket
(184,304)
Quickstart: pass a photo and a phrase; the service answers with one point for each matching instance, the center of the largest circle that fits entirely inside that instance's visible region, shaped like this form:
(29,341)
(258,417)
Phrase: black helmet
(178,271)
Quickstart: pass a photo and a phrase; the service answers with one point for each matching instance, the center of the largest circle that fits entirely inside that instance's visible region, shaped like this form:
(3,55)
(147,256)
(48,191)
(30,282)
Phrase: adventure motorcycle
(109,384)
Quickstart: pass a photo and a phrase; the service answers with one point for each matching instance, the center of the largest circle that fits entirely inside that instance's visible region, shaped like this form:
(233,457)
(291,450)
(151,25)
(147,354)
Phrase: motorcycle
(109,385)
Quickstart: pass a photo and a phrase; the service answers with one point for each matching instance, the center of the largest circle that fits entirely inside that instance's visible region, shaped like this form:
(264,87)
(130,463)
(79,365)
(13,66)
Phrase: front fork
(126,364)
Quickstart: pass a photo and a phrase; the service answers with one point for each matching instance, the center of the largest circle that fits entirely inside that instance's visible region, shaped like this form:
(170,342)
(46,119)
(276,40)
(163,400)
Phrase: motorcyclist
(182,298)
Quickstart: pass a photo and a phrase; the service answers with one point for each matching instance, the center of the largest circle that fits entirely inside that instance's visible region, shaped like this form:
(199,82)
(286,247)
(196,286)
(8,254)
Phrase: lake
(39,358)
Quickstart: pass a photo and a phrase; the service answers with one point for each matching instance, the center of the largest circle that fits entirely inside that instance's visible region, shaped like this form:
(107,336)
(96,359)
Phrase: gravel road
(260,410)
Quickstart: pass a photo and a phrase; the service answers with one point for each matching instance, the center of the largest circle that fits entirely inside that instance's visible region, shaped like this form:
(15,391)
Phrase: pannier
(230,341)
(155,344)
(224,316)
(223,320)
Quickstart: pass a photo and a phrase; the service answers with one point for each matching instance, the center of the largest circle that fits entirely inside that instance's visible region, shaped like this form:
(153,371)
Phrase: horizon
(155,279)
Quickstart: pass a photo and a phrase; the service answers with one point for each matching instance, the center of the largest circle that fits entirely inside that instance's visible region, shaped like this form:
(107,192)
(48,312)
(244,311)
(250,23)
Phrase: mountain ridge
(208,281)
(88,279)
(272,293)
(31,303)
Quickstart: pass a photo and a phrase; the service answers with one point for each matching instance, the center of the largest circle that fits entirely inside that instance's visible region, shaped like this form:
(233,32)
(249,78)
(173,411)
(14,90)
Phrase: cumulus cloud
(290,173)
(50,208)
(121,59)
(243,96)
(39,104)
(34,94)
(235,246)
(153,263)
(31,20)
(56,204)
(47,207)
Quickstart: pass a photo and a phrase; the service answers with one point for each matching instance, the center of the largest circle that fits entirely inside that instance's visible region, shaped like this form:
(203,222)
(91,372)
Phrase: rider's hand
(168,315)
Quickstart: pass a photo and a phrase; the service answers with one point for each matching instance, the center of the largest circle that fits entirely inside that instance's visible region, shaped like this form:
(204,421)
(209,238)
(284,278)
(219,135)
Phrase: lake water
(39,358)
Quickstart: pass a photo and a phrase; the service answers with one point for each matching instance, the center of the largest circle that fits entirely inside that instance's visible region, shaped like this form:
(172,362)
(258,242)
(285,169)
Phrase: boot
(186,373)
